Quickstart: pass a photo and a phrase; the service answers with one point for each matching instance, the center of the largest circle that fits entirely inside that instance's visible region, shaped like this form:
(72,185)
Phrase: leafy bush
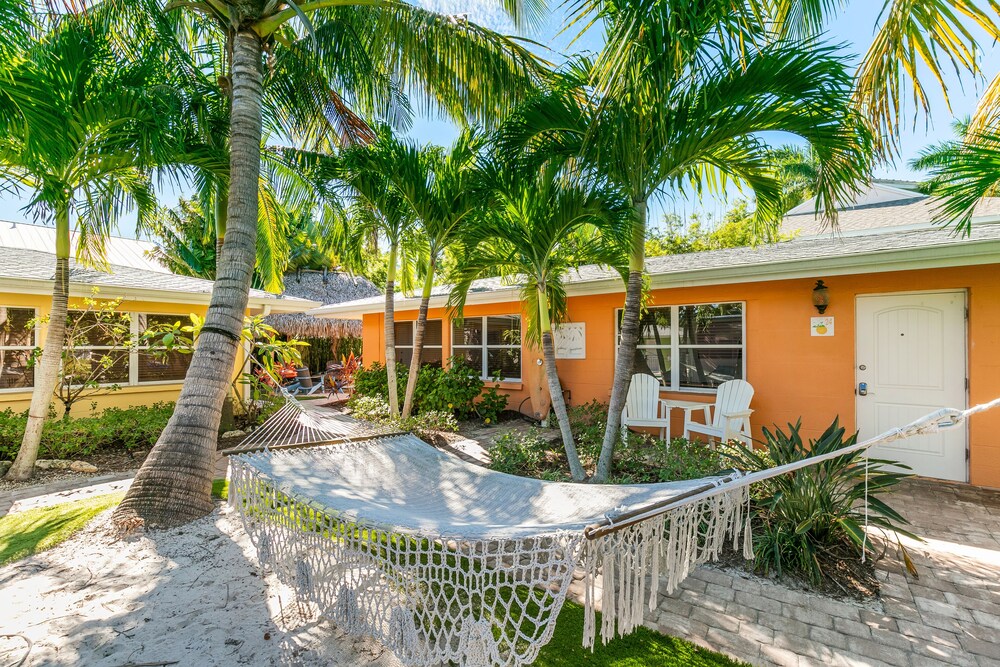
(369,408)
(491,404)
(453,389)
(372,380)
(519,454)
(810,521)
(375,409)
(115,429)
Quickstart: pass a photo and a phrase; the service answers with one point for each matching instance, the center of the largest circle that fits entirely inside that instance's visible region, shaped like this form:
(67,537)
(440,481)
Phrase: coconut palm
(79,128)
(375,52)
(443,190)
(541,224)
(912,36)
(675,102)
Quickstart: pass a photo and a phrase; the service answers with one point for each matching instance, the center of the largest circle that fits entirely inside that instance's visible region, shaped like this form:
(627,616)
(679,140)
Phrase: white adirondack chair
(730,418)
(644,407)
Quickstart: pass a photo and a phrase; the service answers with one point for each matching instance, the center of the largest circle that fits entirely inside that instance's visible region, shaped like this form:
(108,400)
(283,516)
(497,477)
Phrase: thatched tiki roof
(326,287)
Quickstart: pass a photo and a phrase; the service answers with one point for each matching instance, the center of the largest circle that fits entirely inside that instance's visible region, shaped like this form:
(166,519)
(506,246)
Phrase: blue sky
(854,29)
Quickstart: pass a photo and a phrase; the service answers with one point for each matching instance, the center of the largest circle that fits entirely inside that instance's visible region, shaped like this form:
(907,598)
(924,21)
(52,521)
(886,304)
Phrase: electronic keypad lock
(862,389)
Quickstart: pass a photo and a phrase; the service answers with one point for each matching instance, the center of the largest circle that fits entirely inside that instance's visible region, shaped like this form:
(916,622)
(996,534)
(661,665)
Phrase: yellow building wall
(125,396)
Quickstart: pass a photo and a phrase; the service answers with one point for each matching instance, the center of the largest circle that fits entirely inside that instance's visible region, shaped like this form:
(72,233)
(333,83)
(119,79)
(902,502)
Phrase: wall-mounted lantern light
(821,296)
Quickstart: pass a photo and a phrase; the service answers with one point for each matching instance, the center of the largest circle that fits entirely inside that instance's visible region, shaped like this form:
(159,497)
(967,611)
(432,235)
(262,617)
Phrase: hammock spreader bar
(941,420)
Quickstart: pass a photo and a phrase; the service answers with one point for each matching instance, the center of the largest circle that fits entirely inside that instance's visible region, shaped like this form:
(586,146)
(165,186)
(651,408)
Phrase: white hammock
(442,560)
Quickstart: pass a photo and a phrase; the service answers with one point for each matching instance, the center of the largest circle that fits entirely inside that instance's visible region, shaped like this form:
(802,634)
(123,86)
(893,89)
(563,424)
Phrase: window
(498,352)
(431,352)
(160,366)
(691,347)
(17,340)
(99,348)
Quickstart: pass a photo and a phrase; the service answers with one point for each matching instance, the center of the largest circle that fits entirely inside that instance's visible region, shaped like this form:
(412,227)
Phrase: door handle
(862,389)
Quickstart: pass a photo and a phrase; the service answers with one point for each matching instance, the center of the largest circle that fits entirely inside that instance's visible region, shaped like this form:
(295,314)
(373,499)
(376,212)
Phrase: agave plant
(807,518)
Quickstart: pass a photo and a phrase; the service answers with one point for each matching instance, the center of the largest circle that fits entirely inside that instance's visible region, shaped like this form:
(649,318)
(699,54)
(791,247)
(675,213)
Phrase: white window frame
(133,357)
(425,346)
(23,348)
(675,347)
(485,348)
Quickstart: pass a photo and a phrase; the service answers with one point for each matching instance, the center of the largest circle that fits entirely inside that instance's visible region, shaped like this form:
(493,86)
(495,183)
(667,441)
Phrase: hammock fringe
(489,596)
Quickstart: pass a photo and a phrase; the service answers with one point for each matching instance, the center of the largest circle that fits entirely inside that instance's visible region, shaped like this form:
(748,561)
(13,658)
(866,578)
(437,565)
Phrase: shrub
(369,408)
(491,403)
(809,521)
(453,389)
(115,429)
(520,454)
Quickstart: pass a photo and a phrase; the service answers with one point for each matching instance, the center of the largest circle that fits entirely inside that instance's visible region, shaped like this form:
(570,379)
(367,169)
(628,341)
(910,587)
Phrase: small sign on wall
(570,340)
(822,326)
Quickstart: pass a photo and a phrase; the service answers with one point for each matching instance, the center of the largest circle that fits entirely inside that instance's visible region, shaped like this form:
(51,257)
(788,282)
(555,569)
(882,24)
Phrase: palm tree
(542,223)
(380,213)
(79,128)
(673,102)
(374,51)
(912,36)
(962,172)
(444,192)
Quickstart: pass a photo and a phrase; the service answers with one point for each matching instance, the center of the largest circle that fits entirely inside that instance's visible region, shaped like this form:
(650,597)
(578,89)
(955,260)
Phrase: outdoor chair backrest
(643,400)
(732,396)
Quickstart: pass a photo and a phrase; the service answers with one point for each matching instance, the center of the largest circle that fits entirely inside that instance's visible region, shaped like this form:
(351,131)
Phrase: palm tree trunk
(555,388)
(221,212)
(418,341)
(47,370)
(390,332)
(174,485)
(627,346)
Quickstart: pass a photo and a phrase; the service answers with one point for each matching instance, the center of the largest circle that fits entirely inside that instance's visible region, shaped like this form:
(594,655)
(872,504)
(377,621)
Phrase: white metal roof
(120,251)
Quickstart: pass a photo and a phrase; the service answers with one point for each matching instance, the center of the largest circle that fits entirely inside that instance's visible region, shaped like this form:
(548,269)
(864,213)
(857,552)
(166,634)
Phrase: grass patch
(220,489)
(639,649)
(30,532)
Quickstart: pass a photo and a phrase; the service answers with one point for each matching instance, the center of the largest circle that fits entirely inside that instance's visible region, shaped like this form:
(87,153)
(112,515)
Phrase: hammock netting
(446,562)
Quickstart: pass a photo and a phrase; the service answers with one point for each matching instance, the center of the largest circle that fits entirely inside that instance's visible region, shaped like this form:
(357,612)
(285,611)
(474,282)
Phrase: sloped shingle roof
(35,265)
(797,251)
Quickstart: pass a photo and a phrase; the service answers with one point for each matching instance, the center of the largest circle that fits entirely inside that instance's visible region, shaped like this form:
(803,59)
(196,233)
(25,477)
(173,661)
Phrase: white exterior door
(911,358)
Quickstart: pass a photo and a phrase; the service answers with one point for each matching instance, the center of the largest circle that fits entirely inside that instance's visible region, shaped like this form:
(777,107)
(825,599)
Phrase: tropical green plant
(491,403)
(962,172)
(444,190)
(542,222)
(86,372)
(698,234)
(81,124)
(114,429)
(677,100)
(807,520)
(379,214)
(374,52)
(913,39)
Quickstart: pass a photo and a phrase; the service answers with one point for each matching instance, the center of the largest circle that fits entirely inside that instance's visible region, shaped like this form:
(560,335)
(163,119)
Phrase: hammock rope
(442,560)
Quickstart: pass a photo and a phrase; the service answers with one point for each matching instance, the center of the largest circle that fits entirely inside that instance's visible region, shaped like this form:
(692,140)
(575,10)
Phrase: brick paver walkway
(949,616)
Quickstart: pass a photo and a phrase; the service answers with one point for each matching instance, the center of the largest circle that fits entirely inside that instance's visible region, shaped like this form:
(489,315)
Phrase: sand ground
(189,596)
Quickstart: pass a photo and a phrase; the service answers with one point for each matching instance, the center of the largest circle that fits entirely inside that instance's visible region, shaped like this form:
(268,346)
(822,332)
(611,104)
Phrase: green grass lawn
(642,648)
(29,532)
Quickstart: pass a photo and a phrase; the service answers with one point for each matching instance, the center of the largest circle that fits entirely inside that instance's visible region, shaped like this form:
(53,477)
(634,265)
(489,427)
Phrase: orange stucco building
(912,325)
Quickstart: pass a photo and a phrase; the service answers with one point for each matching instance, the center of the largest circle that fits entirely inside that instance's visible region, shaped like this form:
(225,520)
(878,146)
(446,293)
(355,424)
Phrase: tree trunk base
(169,508)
